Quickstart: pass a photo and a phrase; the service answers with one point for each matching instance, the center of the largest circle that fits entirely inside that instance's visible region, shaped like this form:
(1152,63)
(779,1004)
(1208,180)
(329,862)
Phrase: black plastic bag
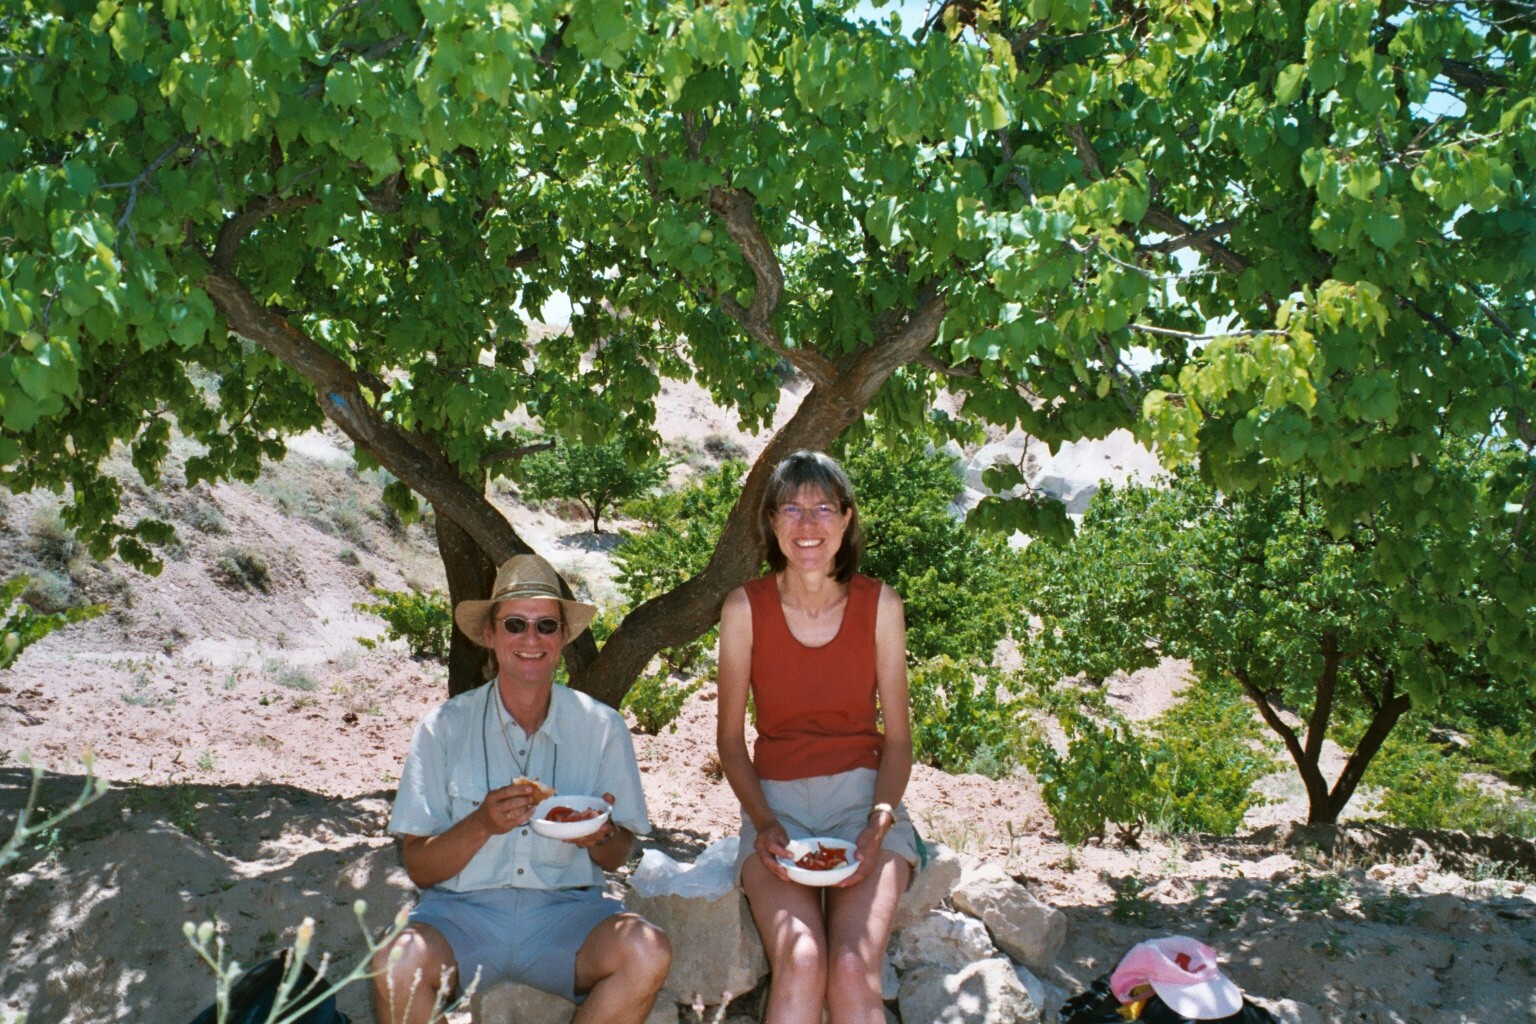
(251,997)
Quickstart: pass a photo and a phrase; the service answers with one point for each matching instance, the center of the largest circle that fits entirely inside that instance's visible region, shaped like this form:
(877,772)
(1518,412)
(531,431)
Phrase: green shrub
(959,723)
(206,517)
(21,626)
(1510,753)
(656,701)
(243,568)
(678,536)
(53,542)
(1191,769)
(1422,787)
(51,592)
(1206,751)
(959,585)
(1104,778)
(421,618)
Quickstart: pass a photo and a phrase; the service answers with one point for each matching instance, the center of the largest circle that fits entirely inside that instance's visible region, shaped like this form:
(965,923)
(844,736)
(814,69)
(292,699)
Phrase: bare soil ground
(253,747)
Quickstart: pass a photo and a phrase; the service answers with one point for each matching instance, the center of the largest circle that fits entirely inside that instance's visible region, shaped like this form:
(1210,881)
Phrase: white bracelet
(887,808)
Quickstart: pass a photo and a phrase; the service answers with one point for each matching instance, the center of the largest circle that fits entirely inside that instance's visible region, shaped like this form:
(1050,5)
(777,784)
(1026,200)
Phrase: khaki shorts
(828,806)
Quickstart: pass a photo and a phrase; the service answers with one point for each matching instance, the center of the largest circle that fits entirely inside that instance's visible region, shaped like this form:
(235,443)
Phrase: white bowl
(569,829)
(808,876)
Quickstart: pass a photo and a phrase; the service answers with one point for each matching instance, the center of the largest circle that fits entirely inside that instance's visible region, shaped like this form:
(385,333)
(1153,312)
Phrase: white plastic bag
(709,877)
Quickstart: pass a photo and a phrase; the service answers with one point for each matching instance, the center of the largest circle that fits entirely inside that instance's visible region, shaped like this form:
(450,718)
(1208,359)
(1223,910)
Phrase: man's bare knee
(410,970)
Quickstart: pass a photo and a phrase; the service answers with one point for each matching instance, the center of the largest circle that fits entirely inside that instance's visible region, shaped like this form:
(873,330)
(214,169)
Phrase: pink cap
(1184,974)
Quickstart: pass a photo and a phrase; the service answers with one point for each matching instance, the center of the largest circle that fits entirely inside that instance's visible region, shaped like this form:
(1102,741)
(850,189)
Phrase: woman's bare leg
(793,930)
(858,929)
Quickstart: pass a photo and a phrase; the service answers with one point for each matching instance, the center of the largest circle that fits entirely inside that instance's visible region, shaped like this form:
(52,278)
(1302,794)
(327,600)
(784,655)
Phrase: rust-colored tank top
(815,705)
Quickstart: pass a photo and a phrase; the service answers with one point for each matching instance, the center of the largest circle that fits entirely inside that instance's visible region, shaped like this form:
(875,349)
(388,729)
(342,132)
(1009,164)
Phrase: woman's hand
(771,844)
(867,849)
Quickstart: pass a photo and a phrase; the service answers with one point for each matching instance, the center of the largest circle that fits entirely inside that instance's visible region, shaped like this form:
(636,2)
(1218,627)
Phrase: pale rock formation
(985,992)
(716,953)
(1028,930)
(945,938)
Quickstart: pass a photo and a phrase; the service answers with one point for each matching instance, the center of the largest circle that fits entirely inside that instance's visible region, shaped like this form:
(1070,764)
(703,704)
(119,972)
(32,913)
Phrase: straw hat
(523,576)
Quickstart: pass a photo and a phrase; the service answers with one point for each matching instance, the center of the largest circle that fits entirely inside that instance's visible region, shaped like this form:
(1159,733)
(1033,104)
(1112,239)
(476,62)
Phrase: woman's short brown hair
(820,472)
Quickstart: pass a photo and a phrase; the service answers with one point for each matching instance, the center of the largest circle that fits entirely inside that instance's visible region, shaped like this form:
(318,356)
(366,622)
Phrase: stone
(1028,930)
(716,952)
(1038,993)
(930,886)
(985,992)
(664,1010)
(890,984)
(511,1002)
(944,938)
(1288,1011)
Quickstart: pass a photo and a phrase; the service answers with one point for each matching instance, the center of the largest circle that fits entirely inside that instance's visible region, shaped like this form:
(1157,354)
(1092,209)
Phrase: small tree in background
(1255,587)
(596,476)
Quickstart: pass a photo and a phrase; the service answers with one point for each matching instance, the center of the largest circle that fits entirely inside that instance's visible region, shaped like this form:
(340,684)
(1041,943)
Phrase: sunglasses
(517,625)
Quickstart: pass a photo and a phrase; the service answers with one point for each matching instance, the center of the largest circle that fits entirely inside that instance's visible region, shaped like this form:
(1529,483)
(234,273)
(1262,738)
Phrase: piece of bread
(541,792)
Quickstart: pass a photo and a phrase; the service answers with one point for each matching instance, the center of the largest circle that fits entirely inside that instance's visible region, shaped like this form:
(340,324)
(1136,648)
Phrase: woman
(817,645)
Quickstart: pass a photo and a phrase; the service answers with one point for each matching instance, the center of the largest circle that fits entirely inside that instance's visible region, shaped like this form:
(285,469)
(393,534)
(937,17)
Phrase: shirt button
(519,870)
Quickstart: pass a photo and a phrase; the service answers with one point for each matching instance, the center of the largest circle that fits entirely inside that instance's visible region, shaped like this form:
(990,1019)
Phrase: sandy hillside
(253,745)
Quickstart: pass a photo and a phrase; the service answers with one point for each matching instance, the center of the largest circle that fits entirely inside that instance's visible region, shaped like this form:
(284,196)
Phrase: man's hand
(507,808)
(602,835)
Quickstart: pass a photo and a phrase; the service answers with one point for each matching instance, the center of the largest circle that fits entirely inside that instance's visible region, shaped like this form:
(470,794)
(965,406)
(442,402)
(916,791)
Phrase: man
(500,901)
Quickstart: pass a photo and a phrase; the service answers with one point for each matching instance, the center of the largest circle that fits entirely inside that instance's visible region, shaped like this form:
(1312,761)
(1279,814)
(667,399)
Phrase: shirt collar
(559,697)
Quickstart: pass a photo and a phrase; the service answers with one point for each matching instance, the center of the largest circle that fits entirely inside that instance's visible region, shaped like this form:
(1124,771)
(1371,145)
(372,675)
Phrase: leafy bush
(52,541)
(51,592)
(656,701)
(421,618)
(241,567)
(1424,788)
(678,537)
(1206,751)
(1104,777)
(597,476)
(959,724)
(960,586)
(1191,769)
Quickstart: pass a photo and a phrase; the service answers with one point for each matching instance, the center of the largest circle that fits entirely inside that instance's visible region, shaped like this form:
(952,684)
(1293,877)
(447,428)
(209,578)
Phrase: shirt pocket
(464,796)
(555,853)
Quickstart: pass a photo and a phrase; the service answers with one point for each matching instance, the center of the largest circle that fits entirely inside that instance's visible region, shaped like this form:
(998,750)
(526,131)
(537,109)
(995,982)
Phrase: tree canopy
(1316,225)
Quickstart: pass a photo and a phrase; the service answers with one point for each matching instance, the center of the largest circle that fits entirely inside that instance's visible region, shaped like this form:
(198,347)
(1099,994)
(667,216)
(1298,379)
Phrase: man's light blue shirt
(465,747)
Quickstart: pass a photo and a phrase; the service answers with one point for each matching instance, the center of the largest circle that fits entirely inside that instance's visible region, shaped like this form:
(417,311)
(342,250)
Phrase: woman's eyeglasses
(820,513)
(518,625)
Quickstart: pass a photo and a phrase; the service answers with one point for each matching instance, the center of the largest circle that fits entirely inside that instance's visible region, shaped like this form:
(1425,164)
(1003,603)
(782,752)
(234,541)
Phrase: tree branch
(236,228)
(1322,708)
(734,208)
(1204,234)
(512,454)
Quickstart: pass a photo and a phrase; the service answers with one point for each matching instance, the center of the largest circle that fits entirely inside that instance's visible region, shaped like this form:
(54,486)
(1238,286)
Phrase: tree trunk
(471,575)
(1391,709)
